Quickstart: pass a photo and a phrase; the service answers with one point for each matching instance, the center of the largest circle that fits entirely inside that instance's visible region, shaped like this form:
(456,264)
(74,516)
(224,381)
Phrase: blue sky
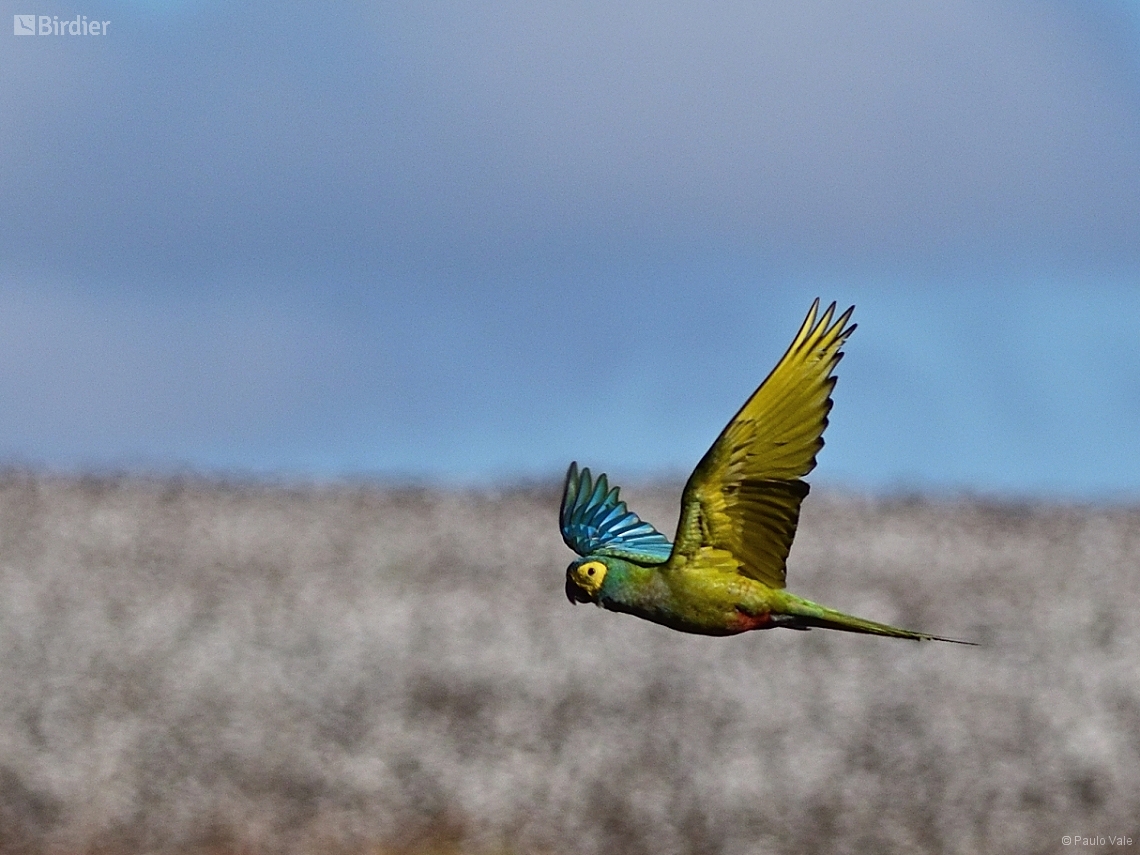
(464,241)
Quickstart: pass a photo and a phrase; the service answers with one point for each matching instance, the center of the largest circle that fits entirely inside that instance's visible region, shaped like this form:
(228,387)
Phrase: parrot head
(584,579)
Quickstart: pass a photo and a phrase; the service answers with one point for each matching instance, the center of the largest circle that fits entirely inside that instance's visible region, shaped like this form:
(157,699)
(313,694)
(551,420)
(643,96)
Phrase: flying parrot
(724,574)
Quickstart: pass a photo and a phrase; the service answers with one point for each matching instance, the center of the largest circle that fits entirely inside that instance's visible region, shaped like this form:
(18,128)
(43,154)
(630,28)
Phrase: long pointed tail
(805,615)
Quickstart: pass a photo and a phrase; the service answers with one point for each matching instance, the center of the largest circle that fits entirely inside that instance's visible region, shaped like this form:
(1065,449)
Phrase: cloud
(484,136)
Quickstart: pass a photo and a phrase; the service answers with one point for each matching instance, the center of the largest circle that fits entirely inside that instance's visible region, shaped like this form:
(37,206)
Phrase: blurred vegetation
(193,666)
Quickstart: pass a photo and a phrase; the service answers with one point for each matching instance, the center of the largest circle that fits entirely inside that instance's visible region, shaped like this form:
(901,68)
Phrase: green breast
(715,603)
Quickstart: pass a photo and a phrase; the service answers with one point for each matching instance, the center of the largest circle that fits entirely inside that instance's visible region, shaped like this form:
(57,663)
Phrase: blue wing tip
(594,520)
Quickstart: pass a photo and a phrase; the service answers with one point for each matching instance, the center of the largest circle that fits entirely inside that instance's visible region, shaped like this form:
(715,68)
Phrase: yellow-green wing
(744,496)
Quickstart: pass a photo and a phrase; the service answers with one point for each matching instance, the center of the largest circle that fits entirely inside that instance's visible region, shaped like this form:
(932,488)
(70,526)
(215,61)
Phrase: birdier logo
(51,25)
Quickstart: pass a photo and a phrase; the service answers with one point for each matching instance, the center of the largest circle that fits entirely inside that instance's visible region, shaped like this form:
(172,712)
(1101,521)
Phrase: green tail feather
(805,615)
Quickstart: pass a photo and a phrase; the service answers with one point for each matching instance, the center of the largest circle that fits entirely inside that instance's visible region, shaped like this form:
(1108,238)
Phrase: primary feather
(744,496)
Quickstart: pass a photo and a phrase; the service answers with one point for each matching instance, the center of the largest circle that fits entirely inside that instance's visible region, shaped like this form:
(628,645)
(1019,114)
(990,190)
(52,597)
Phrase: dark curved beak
(575,594)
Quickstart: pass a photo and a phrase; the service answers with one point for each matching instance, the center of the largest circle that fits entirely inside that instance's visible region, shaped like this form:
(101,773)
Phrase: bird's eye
(589,571)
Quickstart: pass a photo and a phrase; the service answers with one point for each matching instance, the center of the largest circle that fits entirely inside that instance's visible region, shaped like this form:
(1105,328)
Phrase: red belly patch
(745,622)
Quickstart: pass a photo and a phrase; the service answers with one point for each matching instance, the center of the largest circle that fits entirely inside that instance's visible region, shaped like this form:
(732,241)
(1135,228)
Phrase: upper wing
(595,522)
(744,496)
